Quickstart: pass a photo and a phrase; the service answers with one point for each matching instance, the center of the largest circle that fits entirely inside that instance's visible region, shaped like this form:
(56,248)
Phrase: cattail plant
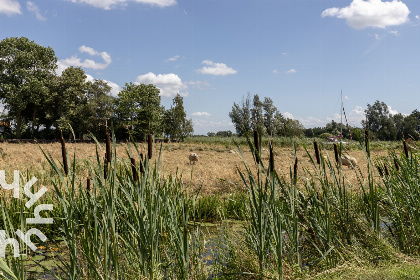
(295,168)
(257,146)
(105,167)
(141,163)
(134,169)
(318,159)
(405,148)
(380,171)
(386,170)
(108,147)
(397,166)
(88,184)
(64,155)
(336,153)
(150,146)
(271,157)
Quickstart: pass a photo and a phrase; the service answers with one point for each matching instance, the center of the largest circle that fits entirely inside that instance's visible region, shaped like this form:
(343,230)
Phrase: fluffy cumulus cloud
(169,84)
(86,63)
(111,4)
(30,6)
(371,13)
(201,114)
(10,7)
(217,69)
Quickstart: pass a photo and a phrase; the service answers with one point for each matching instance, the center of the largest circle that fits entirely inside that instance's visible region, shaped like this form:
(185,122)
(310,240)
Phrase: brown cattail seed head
(150,146)
(108,147)
(134,169)
(380,171)
(405,149)
(271,157)
(318,159)
(336,152)
(257,146)
(141,164)
(88,184)
(64,155)
(105,167)
(295,167)
(386,170)
(366,139)
(397,166)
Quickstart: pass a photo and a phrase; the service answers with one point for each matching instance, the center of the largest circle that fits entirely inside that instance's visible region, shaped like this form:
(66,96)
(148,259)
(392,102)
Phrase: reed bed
(124,218)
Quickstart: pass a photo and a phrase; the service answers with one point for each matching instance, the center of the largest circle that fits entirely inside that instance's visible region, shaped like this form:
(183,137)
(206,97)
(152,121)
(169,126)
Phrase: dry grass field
(216,164)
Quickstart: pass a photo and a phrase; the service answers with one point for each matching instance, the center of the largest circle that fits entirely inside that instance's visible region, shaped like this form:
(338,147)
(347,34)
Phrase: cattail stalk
(380,171)
(386,170)
(150,146)
(134,169)
(88,184)
(295,167)
(336,152)
(141,164)
(108,147)
(405,149)
(271,157)
(64,154)
(105,167)
(367,140)
(397,166)
(318,159)
(257,146)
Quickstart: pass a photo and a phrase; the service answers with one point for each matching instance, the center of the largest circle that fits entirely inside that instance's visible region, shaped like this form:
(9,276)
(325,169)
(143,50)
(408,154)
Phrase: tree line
(41,104)
(252,113)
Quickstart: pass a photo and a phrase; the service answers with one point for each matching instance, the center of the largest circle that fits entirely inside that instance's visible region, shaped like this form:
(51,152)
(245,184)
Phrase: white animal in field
(193,158)
(348,161)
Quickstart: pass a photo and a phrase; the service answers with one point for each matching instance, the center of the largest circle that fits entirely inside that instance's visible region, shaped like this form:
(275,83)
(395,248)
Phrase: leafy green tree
(224,133)
(271,116)
(99,106)
(241,116)
(137,107)
(380,121)
(257,115)
(26,72)
(68,98)
(175,120)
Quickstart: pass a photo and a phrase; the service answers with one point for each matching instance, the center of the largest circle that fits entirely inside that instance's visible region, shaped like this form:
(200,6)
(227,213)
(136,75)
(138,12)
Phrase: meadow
(244,210)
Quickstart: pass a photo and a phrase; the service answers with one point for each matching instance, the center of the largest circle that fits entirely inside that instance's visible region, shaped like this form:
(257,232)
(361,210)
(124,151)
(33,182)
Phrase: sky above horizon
(300,53)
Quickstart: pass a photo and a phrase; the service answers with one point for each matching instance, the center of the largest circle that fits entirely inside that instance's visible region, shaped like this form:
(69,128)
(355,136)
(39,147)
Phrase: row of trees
(40,103)
(253,114)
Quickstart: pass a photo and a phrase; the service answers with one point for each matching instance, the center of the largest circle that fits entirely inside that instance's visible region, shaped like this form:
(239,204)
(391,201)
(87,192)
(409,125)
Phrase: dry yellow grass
(216,162)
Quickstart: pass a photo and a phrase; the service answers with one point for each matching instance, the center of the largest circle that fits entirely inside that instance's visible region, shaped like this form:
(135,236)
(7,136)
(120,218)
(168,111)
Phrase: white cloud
(34,8)
(371,13)
(198,84)
(291,71)
(169,84)
(201,114)
(217,69)
(10,7)
(394,32)
(115,89)
(204,125)
(87,63)
(288,115)
(111,4)
(174,58)
(392,112)
(275,71)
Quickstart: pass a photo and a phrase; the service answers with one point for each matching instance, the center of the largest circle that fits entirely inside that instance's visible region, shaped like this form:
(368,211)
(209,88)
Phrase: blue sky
(300,53)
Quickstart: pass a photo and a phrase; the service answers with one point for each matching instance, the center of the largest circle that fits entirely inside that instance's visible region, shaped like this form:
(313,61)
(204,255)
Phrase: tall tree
(137,106)
(257,114)
(380,121)
(176,125)
(26,72)
(241,116)
(270,116)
